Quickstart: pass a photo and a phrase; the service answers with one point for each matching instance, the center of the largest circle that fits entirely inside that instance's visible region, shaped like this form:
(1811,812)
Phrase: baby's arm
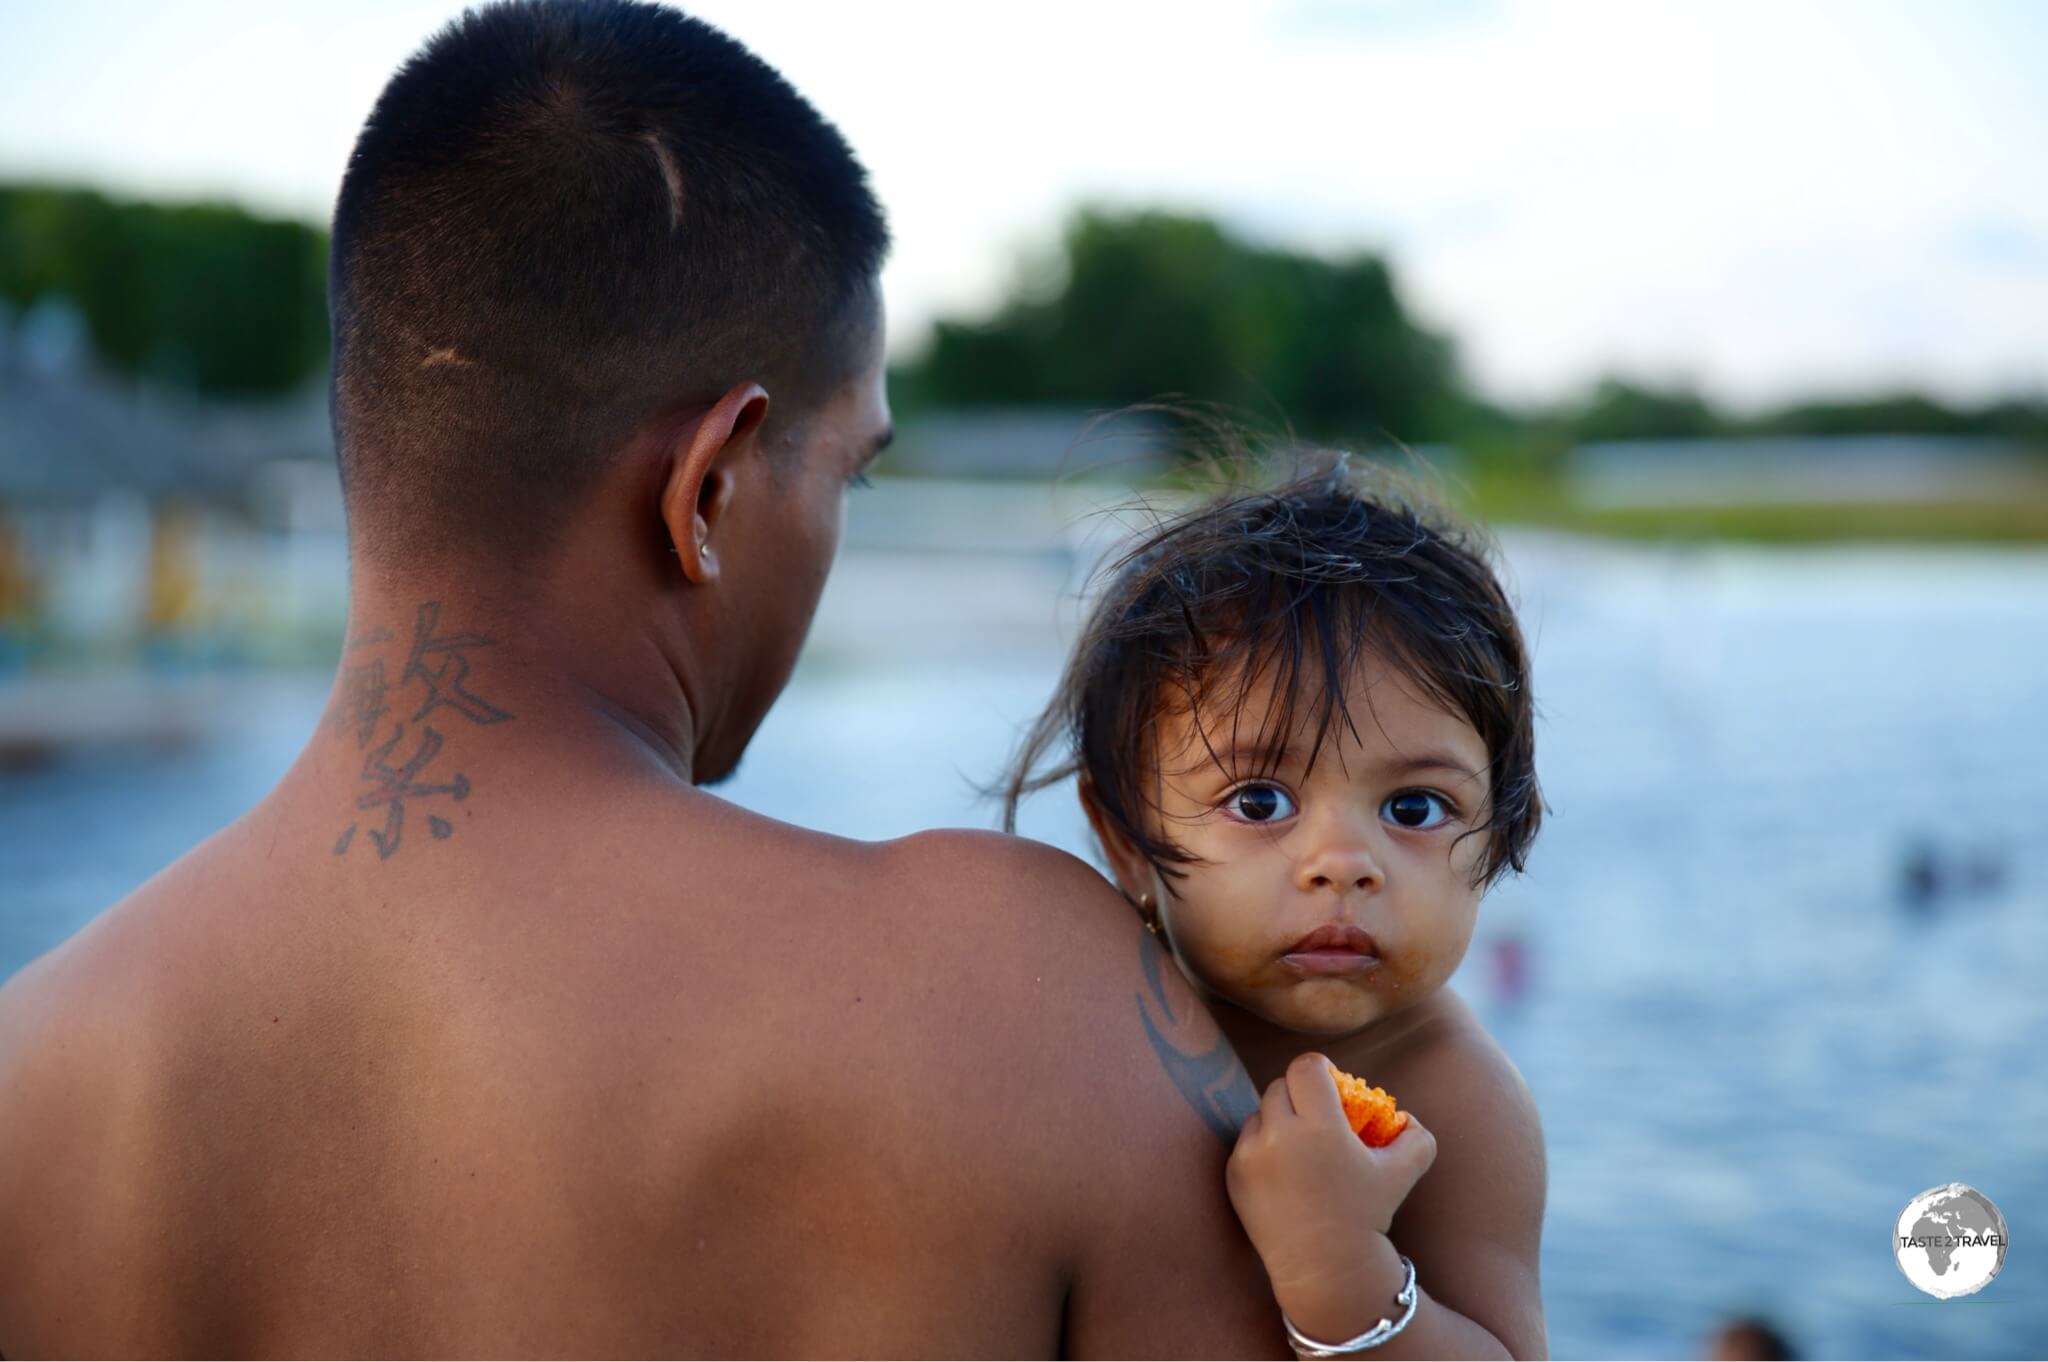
(1320,1207)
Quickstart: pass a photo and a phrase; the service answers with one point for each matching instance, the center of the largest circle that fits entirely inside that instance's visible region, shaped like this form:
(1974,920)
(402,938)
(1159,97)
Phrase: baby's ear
(1127,865)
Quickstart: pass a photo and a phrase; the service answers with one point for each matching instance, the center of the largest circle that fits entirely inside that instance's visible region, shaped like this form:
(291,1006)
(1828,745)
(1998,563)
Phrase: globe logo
(1950,1241)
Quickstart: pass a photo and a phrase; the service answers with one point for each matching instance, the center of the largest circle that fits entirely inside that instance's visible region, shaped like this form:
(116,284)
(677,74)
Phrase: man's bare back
(611,1067)
(486,1031)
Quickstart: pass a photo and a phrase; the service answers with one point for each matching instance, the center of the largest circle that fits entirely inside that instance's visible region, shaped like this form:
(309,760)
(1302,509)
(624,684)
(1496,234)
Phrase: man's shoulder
(1003,891)
(90,1010)
(979,849)
(90,976)
(991,865)
(1032,901)
(66,1022)
(1003,867)
(1119,1097)
(1086,994)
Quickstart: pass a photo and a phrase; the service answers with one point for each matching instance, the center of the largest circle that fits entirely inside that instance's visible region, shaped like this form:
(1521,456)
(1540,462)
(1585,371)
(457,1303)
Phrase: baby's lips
(1372,1113)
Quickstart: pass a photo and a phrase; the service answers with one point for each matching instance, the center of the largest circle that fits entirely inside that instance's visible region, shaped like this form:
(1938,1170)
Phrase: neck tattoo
(403,752)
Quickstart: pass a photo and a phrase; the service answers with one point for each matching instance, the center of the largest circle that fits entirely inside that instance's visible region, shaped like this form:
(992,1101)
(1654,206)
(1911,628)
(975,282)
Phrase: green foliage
(1149,305)
(1625,411)
(205,297)
(1906,414)
(1152,305)
(1136,306)
(1619,410)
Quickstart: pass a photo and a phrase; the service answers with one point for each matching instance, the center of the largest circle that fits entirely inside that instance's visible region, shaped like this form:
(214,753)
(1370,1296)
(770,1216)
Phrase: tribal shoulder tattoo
(1195,1053)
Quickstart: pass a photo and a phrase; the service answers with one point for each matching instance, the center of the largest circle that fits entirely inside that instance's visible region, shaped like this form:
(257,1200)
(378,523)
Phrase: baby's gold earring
(1145,911)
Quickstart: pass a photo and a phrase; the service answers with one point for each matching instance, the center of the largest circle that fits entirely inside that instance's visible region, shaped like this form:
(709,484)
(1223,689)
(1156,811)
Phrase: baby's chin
(1326,1009)
(1327,1017)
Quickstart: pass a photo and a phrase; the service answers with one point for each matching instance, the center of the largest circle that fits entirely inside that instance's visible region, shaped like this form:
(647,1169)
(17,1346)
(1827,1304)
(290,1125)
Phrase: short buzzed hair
(562,218)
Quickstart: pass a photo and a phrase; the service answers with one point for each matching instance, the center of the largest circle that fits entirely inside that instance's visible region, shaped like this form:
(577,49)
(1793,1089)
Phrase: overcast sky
(1766,198)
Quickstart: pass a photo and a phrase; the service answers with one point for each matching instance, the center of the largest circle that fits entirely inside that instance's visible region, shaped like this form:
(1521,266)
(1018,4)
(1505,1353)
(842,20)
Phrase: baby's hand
(1312,1195)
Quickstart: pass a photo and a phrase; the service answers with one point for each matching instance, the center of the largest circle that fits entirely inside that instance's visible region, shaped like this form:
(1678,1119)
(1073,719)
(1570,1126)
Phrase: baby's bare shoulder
(1474,1223)
(1457,1079)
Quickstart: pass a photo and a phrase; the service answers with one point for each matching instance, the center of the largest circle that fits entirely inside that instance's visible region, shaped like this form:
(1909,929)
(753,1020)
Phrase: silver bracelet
(1305,1346)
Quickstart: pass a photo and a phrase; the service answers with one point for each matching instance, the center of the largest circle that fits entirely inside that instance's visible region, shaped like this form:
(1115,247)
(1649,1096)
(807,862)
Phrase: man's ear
(699,485)
(1134,874)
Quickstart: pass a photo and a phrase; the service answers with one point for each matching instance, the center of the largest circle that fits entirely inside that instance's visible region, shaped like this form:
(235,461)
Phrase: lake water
(1751,1041)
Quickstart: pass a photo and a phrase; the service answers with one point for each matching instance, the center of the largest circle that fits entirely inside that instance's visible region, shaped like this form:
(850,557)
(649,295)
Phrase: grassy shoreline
(1502,498)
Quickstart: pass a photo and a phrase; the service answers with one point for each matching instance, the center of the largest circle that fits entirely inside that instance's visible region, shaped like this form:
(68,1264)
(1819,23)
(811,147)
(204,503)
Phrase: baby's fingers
(1277,1105)
(1263,1126)
(1314,1090)
(1414,1148)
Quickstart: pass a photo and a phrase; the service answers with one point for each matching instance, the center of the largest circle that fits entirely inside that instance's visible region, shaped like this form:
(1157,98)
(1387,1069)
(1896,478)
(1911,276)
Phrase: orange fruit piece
(1370,1110)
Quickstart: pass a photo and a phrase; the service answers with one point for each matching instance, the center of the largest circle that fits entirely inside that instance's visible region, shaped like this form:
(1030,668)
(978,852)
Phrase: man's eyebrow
(881,442)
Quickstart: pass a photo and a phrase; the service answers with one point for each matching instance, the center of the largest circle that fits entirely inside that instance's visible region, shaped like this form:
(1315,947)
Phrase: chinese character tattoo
(397,769)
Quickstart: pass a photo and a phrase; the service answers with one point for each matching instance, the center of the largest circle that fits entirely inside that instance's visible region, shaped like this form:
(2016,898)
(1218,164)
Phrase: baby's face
(1368,839)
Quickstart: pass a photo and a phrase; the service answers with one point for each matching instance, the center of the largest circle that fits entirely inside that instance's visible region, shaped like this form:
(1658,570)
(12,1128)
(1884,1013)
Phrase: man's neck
(472,668)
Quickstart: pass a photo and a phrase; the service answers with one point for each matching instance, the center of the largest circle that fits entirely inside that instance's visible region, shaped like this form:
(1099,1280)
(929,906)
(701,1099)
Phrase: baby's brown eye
(1413,809)
(1261,803)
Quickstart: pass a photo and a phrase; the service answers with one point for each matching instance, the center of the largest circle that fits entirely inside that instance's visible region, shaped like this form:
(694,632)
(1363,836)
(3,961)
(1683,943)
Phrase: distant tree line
(1132,307)
(1618,410)
(204,297)
(1139,305)
(1148,304)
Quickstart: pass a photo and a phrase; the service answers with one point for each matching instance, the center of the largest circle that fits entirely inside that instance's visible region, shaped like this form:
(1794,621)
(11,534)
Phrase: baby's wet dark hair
(1297,586)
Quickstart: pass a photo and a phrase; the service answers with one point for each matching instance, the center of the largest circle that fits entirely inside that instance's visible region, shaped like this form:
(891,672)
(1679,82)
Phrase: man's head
(592,245)
(562,219)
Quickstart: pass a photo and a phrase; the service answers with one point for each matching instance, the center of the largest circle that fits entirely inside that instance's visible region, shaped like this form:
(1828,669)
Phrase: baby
(1303,733)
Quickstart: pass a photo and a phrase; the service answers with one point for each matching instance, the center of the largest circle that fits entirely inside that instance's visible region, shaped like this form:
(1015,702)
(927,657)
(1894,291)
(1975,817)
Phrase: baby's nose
(1343,867)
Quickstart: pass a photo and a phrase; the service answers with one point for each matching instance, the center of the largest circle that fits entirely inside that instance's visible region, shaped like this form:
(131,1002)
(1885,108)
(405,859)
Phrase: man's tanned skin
(530,1047)
(487,1032)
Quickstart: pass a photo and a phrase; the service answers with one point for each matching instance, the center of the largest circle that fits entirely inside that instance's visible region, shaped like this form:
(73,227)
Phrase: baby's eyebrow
(1431,761)
(1235,758)
(1274,759)
(1395,767)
